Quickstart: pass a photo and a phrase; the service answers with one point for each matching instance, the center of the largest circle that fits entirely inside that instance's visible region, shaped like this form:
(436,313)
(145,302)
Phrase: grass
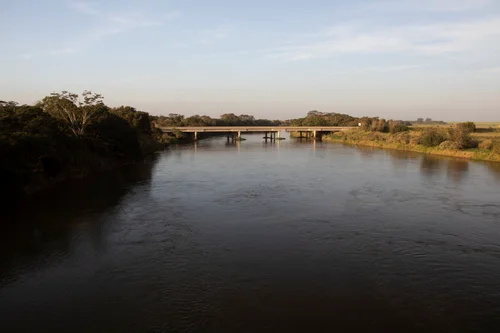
(486,135)
(488,124)
(479,125)
(407,141)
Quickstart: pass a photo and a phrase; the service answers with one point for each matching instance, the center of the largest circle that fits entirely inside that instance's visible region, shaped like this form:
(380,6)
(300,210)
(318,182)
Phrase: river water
(292,236)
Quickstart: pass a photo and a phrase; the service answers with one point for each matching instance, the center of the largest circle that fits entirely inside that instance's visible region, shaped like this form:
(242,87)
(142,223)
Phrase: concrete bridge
(271,132)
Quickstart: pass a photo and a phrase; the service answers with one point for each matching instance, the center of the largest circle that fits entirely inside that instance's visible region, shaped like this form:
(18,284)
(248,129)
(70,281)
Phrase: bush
(366,124)
(467,127)
(486,144)
(461,135)
(462,139)
(402,137)
(398,128)
(380,125)
(496,147)
(450,145)
(432,138)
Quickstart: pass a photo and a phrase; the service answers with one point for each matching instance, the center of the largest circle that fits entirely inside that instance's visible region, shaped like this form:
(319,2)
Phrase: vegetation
(432,137)
(67,136)
(227,119)
(76,112)
(427,122)
(316,118)
(460,140)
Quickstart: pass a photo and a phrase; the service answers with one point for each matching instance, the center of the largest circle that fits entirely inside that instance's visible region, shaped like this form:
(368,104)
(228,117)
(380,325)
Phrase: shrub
(432,138)
(402,137)
(448,144)
(398,128)
(381,125)
(461,135)
(467,127)
(496,147)
(366,124)
(486,144)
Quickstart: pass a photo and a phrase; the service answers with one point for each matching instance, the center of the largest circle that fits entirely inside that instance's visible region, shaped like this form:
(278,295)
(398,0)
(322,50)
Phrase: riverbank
(409,141)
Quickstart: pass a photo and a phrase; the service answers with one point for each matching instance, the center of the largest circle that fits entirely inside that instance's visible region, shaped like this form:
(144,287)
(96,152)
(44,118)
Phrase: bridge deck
(257,128)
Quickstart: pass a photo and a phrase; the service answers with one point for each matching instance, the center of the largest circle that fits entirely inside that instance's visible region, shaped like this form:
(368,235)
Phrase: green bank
(461,140)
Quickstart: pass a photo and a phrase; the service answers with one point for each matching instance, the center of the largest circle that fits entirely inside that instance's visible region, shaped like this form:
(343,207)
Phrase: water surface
(256,237)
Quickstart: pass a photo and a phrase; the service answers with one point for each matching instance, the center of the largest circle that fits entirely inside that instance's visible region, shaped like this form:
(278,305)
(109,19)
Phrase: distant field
(485,130)
(478,124)
(486,135)
(488,125)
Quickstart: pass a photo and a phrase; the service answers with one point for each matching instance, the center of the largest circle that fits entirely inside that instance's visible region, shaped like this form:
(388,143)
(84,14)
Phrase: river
(292,236)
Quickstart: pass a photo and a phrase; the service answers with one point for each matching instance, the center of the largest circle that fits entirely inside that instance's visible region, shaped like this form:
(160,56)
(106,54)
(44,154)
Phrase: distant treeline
(227,119)
(312,118)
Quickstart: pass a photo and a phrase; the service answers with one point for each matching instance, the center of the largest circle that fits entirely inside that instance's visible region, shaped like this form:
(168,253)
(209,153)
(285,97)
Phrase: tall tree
(77,111)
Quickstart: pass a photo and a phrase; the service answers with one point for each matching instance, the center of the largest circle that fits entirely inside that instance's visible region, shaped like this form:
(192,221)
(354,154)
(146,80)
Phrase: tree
(247,120)
(139,120)
(230,119)
(7,105)
(77,111)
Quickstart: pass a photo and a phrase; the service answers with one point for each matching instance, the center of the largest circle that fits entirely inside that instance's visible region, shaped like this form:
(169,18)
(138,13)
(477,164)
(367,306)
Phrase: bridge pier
(195,136)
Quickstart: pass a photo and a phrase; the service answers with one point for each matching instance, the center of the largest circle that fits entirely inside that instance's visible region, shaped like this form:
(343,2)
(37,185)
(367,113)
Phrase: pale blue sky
(275,59)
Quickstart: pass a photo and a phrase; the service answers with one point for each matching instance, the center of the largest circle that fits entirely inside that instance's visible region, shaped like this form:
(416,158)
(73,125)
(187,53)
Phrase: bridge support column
(279,135)
(195,136)
(239,135)
(314,134)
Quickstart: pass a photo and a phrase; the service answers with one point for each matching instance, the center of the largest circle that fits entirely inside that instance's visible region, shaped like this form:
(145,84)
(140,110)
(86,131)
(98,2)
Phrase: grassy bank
(412,141)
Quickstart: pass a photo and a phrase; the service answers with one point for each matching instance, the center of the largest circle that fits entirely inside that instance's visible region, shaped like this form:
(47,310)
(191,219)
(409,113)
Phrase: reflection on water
(457,169)
(45,226)
(494,168)
(260,237)
(432,165)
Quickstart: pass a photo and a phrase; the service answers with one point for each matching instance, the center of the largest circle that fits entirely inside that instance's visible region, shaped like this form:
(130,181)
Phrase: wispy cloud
(385,69)
(492,70)
(211,36)
(427,5)
(107,24)
(63,51)
(430,39)
(85,7)
(27,56)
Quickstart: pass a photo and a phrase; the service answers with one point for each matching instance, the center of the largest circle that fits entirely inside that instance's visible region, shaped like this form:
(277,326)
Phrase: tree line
(68,135)
(227,119)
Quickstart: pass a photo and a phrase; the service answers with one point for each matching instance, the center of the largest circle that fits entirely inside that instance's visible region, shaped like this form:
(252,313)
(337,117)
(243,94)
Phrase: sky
(273,59)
